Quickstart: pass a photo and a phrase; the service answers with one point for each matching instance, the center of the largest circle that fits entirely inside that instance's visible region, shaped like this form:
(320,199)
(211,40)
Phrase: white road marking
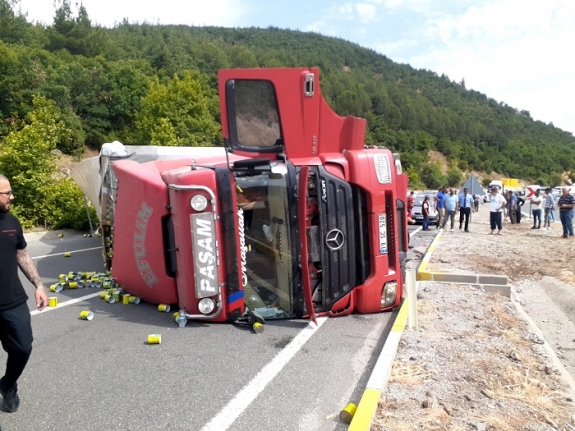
(248,394)
(414,232)
(72,251)
(63,304)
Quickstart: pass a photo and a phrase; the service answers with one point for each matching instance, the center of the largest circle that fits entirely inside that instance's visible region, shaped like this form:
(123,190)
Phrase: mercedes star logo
(334,239)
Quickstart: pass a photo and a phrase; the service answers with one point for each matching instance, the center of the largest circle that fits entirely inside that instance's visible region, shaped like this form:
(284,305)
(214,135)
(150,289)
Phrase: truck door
(250,115)
(266,112)
(253,127)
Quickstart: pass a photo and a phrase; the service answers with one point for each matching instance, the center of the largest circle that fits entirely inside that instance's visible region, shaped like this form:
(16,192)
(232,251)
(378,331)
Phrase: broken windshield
(265,240)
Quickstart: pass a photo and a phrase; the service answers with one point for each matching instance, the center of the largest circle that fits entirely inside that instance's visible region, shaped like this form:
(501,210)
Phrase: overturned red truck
(294,218)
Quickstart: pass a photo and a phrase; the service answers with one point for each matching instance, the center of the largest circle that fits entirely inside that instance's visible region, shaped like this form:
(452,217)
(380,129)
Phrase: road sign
(510,182)
(530,191)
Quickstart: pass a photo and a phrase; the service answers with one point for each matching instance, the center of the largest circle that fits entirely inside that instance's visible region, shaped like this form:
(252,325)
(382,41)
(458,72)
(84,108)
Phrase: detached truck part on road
(294,218)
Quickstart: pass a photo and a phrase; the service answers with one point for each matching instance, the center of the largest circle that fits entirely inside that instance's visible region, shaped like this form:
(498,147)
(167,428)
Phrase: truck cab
(297,218)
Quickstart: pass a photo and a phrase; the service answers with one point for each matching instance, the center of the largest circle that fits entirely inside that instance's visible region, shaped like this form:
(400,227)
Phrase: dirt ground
(476,363)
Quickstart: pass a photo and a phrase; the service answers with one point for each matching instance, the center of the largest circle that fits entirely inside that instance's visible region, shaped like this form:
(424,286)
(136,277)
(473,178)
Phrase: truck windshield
(266,256)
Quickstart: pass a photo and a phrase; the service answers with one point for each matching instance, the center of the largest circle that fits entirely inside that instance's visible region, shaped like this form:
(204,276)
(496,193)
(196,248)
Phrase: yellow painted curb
(401,319)
(422,274)
(365,410)
(368,404)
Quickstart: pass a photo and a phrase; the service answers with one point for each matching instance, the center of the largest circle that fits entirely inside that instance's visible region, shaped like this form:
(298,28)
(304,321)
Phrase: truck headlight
(199,202)
(388,294)
(206,305)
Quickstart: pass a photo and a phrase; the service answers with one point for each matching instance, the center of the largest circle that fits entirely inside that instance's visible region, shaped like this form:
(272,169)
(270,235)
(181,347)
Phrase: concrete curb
(381,372)
(568,378)
(380,375)
(445,277)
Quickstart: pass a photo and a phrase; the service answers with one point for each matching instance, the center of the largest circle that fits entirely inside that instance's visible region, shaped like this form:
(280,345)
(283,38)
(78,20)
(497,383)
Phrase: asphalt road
(102,375)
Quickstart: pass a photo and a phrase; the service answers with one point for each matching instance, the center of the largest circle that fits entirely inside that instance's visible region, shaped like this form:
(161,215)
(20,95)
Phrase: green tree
(177,114)
(432,176)
(413,175)
(353,102)
(27,159)
(242,57)
(13,25)
(75,34)
(454,176)
(555,179)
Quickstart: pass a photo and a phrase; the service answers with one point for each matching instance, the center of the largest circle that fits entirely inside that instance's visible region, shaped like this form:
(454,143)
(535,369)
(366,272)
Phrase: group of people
(511,202)
(448,203)
(508,205)
(546,204)
(514,204)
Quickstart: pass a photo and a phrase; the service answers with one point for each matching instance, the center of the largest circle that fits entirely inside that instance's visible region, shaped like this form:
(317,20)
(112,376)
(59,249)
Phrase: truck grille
(338,236)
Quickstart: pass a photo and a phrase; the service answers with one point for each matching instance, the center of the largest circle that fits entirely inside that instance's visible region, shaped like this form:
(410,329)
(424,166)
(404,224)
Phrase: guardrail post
(412,299)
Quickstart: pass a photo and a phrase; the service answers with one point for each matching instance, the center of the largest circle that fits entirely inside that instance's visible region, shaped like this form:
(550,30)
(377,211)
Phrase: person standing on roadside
(15,322)
(554,196)
(425,213)
(512,207)
(496,204)
(410,201)
(536,202)
(549,208)
(476,202)
(566,203)
(450,208)
(440,206)
(465,206)
(520,203)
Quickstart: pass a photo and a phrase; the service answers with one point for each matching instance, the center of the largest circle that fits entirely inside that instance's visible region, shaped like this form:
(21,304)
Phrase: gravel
(477,360)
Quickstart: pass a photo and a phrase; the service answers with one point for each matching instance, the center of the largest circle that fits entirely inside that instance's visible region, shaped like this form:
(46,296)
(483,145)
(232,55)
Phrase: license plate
(382,234)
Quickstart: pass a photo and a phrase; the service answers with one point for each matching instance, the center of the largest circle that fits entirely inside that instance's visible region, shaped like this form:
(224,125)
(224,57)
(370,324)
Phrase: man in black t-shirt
(565,204)
(15,323)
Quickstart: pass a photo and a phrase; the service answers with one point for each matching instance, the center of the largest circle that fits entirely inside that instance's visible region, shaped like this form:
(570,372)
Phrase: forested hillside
(153,84)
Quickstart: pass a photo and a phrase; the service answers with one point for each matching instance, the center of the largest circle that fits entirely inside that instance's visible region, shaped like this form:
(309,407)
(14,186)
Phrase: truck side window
(256,114)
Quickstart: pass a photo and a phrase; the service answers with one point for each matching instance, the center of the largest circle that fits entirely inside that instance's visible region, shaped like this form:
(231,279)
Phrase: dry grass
(517,385)
(409,374)
(432,419)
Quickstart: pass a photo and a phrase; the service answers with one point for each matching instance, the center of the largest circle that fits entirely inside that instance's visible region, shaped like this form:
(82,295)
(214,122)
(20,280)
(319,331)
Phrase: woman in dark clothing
(425,213)
(520,202)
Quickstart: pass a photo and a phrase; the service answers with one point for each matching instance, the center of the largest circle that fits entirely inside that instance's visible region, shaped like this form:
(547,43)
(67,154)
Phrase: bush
(65,206)
(454,176)
(432,176)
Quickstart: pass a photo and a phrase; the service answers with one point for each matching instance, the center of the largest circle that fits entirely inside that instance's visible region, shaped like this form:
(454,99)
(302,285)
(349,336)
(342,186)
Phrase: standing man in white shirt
(536,203)
(496,204)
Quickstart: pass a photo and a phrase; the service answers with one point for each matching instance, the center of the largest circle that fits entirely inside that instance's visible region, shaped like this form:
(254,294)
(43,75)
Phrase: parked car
(433,215)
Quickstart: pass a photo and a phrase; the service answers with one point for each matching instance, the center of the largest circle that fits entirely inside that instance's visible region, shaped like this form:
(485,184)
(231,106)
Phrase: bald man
(15,323)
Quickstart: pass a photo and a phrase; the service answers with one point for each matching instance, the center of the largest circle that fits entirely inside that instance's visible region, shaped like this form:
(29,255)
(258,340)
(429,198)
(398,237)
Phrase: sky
(519,52)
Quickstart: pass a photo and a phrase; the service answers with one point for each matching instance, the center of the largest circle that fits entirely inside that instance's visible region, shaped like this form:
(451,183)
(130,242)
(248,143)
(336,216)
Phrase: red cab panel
(138,263)
(197,239)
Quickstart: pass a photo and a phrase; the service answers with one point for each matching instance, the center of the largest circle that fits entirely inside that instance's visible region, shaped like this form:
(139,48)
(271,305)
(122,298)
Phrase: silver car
(417,216)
